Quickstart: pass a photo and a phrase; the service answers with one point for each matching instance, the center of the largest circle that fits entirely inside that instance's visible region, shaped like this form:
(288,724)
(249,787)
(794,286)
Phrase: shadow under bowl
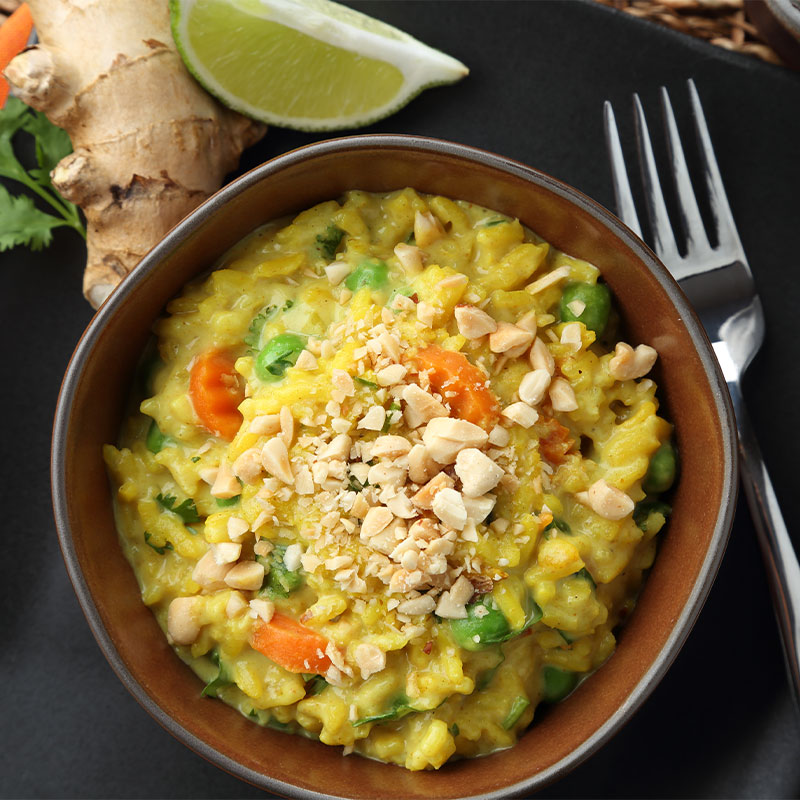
(691,389)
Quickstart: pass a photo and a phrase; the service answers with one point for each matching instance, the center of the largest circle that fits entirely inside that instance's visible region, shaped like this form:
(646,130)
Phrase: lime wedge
(312,65)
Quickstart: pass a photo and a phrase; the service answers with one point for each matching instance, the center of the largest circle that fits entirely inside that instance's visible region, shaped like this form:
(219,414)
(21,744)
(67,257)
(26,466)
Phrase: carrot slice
(555,440)
(291,645)
(462,384)
(216,391)
(14,35)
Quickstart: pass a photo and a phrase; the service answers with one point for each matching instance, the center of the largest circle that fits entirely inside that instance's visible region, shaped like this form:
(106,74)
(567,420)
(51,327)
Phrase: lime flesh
(304,63)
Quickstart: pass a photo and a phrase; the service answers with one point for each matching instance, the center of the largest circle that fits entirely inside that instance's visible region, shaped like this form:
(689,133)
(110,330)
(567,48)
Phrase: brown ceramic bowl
(692,391)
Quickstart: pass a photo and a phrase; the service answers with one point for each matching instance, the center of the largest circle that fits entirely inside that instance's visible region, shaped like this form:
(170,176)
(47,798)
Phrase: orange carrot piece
(555,440)
(216,391)
(291,645)
(451,372)
(14,35)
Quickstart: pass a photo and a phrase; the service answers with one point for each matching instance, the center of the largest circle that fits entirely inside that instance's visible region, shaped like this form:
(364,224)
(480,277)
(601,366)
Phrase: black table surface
(721,723)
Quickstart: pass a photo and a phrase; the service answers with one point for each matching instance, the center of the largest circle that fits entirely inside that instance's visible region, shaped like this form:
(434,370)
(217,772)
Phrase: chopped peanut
(427,229)
(246,575)
(473,322)
(183,620)
(508,337)
(478,473)
(627,363)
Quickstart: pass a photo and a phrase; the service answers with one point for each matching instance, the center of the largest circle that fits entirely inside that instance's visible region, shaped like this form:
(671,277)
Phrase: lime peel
(326,66)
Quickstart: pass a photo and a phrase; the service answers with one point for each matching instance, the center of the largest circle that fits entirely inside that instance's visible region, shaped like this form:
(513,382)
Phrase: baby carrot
(291,645)
(14,35)
(216,391)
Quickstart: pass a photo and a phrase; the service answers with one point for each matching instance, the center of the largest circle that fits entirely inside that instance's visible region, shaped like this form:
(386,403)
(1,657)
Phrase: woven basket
(720,22)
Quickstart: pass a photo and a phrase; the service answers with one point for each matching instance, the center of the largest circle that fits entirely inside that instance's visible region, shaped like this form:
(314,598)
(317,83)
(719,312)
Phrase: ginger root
(149,143)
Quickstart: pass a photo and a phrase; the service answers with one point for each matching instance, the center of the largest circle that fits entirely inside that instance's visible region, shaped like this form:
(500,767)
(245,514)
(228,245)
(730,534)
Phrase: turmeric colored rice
(394,478)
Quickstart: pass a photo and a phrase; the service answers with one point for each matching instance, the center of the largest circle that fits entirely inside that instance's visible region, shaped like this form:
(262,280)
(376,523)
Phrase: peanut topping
(444,438)
(247,576)
(628,363)
(533,386)
(508,337)
(448,505)
(606,501)
(275,458)
(421,407)
(478,473)
(473,323)
(183,623)
(225,483)
(412,258)
(562,396)
(427,229)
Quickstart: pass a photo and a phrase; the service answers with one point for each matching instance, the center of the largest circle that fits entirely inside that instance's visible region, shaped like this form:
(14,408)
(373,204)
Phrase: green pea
(597,300)
(278,355)
(155,439)
(662,470)
(371,273)
(557,683)
(476,632)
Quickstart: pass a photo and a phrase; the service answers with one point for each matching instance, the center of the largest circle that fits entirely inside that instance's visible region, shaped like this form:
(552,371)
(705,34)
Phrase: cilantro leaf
(328,242)
(160,550)
(187,510)
(21,223)
(52,142)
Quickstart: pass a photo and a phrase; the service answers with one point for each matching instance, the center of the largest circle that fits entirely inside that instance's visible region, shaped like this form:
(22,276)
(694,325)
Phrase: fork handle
(783,570)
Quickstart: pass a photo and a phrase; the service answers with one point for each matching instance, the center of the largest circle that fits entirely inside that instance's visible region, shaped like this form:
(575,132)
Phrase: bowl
(692,392)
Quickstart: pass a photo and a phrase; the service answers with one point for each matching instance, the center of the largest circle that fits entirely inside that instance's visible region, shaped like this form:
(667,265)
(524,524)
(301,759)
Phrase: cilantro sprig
(187,510)
(21,221)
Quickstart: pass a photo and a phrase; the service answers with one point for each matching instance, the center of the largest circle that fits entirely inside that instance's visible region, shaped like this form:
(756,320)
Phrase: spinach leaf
(222,680)
(518,707)
(399,708)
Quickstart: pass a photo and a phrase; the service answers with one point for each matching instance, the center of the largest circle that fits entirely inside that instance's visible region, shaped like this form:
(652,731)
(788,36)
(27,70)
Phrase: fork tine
(720,209)
(697,241)
(626,210)
(664,239)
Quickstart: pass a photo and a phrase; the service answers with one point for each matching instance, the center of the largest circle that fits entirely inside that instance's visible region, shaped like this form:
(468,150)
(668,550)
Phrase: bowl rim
(435,147)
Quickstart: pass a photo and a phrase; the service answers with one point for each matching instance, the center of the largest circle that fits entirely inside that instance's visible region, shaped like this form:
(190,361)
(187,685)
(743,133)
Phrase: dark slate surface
(721,724)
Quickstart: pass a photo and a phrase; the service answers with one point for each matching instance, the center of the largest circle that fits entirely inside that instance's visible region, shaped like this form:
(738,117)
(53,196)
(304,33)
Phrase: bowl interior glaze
(692,392)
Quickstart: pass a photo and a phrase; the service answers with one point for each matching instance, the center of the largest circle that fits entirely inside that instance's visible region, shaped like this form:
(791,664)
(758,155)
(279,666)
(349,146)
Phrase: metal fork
(718,282)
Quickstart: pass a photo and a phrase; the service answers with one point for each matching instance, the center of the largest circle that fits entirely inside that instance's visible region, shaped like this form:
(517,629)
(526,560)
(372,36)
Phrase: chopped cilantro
(187,510)
(160,550)
(195,459)
(328,242)
(354,484)
(278,580)
(224,502)
(390,417)
(365,382)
